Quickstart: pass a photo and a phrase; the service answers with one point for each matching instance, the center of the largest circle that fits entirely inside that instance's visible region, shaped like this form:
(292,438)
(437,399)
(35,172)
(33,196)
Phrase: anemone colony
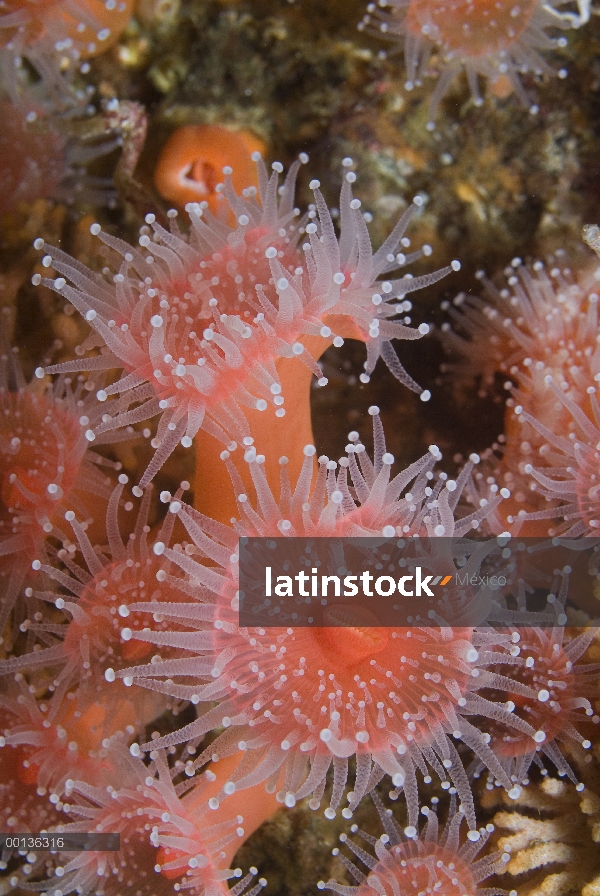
(132,699)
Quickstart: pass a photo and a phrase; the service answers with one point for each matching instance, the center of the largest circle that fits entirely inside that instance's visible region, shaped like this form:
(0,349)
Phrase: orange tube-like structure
(191,163)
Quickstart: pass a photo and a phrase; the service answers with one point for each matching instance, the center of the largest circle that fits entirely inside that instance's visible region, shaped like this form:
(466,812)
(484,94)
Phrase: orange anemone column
(254,804)
(273,436)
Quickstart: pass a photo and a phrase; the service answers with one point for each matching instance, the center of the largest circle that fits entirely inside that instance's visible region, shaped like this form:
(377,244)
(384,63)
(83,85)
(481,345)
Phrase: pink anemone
(97,597)
(164,848)
(303,700)
(198,323)
(496,39)
(431,861)
(46,467)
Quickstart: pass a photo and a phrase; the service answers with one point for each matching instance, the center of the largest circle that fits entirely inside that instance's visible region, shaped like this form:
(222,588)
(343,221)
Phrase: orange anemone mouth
(201,176)
(352,634)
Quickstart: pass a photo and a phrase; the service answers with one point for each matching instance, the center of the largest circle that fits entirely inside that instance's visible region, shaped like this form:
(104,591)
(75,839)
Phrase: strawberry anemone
(164,848)
(47,740)
(544,319)
(296,701)
(46,467)
(44,158)
(190,165)
(54,34)
(567,475)
(538,676)
(198,324)
(492,38)
(540,332)
(431,861)
(97,598)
